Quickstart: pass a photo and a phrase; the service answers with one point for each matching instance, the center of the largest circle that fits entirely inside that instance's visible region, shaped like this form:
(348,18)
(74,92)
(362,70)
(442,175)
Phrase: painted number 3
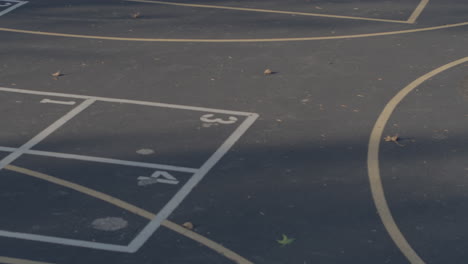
(210,118)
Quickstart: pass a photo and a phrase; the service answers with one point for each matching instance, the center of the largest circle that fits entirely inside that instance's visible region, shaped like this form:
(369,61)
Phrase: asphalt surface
(300,169)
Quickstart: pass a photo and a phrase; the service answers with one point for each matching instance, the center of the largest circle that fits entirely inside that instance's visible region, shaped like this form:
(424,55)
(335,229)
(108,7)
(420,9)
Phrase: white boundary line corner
(18,4)
(46,132)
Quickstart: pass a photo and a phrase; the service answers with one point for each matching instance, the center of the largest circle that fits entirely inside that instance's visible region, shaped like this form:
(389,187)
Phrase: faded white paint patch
(145,151)
(109,224)
(49,101)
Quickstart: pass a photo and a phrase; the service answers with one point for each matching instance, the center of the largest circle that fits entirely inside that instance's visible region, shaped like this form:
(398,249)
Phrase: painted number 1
(210,118)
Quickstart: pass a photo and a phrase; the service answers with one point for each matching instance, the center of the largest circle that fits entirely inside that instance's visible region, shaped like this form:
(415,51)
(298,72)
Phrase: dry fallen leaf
(268,72)
(136,14)
(188,225)
(57,74)
(393,139)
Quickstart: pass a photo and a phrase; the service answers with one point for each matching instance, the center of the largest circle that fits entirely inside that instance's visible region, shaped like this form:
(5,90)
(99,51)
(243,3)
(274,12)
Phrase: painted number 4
(157,177)
(210,118)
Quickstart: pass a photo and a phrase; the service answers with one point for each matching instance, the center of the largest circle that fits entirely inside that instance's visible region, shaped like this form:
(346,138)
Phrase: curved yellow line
(378,193)
(134,209)
(268,11)
(232,40)
(7,260)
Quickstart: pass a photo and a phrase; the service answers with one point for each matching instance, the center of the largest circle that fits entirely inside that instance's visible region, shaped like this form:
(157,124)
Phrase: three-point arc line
(375,179)
(240,40)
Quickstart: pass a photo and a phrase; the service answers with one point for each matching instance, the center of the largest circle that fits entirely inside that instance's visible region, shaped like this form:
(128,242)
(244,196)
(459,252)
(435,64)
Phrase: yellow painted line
(417,12)
(269,11)
(7,260)
(134,209)
(378,193)
(233,40)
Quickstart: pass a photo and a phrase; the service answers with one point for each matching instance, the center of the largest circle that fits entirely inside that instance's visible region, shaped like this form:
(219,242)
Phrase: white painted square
(244,121)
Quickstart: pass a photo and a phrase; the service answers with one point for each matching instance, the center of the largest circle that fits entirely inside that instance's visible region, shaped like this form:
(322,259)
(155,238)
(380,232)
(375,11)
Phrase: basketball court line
(415,14)
(176,199)
(8,260)
(238,40)
(103,160)
(267,11)
(375,179)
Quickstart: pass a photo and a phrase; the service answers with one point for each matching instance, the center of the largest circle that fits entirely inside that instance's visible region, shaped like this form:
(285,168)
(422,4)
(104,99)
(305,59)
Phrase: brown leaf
(135,14)
(393,139)
(268,72)
(57,74)
(188,225)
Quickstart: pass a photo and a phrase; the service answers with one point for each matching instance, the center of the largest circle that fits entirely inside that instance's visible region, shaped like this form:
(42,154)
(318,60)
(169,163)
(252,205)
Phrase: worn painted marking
(270,11)
(187,188)
(153,225)
(126,101)
(103,160)
(12,7)
(65,241)
(378,34)
(388,33)
(50,101)
(375,179)
(135,210)
(417,12)
(8,260)
(42,135)
(157,176)
(209,118)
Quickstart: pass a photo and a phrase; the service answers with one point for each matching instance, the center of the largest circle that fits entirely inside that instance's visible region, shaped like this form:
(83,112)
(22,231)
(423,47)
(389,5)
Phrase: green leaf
(285,241)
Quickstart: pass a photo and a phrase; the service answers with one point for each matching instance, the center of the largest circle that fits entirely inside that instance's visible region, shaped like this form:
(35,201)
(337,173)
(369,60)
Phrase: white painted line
(182,107)
(18,4)
(126,101)
(104,160)
(50,101)
(7,149)
(153,225)
(148,231)
(65,241)
(49,130)
(112,161)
